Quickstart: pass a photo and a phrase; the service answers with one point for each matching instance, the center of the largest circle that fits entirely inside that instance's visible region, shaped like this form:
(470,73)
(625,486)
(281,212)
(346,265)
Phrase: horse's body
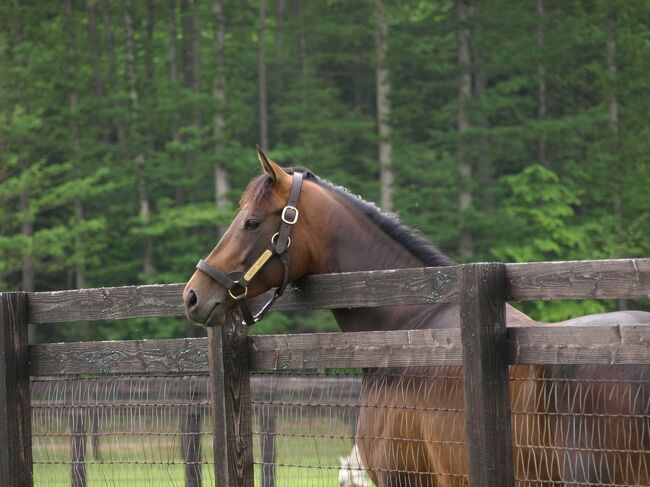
(411,423)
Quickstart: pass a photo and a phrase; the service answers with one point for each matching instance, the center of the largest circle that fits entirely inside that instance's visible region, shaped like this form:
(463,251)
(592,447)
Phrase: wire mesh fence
(568,429)
(121,430)
(309,424)
(581,425)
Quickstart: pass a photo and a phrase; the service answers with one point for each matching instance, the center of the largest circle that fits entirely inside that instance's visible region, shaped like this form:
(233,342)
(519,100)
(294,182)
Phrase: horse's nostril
(191,299)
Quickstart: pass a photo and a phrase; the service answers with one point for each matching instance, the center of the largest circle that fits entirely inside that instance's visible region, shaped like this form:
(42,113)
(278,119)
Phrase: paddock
(278,410)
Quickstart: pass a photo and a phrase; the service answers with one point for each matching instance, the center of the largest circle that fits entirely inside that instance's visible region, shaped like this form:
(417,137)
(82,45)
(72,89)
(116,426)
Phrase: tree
(383,108)
(465,244)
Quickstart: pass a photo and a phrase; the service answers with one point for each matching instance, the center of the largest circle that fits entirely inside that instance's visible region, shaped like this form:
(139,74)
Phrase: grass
(307,454)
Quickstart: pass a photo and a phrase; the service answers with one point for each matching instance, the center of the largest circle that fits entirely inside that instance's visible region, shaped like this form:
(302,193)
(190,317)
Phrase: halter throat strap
(237,282)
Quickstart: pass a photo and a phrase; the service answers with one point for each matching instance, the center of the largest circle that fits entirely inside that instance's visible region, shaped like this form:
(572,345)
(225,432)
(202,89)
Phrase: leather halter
(237,282)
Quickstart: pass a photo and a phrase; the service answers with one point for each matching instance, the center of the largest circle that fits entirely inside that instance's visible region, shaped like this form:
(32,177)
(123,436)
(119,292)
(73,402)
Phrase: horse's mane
(390,224)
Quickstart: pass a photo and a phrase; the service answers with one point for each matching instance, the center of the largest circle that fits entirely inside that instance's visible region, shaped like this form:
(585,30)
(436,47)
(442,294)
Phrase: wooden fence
(482,344)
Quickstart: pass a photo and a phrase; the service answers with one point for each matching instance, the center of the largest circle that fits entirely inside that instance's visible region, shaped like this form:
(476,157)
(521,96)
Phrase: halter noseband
(237,282)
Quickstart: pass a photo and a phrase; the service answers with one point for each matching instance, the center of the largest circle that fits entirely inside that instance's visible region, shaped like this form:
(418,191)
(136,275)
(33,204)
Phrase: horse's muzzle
(208,312)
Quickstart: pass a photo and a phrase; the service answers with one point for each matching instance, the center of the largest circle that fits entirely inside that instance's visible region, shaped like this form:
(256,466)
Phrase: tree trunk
(191,57)
(136,140)
(190,71)
(485,160)
(27,229)
(280,13)
(261,78)
(486,167)
(186,26)
(173,75)
(466,246)
(301,57)
(221,183)
(27,224)
(612,110)
(75,143)
(541,84)
(112,71)
(382,76)
(150,70)
(98,81)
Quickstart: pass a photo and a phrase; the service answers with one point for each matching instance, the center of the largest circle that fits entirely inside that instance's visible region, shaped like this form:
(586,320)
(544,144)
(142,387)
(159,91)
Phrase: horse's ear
(280,177)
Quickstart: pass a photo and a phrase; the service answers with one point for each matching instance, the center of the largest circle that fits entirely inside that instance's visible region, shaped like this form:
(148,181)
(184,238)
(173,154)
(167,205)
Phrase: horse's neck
(358,244)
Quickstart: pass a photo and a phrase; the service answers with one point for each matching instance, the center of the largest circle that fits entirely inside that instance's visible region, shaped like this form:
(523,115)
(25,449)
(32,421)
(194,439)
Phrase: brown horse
(578,425)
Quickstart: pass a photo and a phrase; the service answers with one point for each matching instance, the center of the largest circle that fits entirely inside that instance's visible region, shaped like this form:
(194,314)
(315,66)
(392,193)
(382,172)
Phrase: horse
(579,424)
(352,472)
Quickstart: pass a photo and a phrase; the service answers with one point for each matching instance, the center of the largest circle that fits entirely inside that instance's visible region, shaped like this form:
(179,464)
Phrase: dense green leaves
(109,150)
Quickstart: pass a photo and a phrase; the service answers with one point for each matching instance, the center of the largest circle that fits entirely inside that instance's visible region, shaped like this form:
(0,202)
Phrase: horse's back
(613,318)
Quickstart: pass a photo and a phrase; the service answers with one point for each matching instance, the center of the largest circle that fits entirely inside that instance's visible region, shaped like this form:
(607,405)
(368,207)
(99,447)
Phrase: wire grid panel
(581,425)
(121,431)
(407,426)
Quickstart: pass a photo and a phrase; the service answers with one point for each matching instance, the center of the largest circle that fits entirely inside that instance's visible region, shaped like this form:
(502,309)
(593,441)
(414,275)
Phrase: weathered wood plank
(625,278)
(485,370)
(403,348)
(576,345)
(599,279)
(15,412)
(547,344)
(230,404)
(375,288)
(425,285)
(109,303)
(187,355)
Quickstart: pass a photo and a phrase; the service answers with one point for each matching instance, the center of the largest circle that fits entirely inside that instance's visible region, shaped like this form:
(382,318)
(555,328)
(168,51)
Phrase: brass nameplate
(254,269)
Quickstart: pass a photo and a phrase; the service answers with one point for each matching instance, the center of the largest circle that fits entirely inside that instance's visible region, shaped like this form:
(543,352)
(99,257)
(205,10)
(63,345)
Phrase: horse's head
(266,246)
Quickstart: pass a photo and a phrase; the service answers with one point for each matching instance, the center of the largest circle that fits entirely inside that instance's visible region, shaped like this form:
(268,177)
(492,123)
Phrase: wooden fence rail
(599,279)
(482,344)
(537,345)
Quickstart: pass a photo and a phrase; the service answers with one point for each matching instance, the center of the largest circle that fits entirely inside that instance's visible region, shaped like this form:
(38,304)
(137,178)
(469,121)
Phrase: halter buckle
(295,215)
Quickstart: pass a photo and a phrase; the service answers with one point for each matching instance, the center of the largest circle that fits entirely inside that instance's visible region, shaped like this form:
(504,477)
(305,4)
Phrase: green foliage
(92,185)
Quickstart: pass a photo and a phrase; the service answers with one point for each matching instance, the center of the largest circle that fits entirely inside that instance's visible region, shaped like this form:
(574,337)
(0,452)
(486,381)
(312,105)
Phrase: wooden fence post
(230,404)
(15,410)
(77,421)
(267,441)
(485,362)
(191,441)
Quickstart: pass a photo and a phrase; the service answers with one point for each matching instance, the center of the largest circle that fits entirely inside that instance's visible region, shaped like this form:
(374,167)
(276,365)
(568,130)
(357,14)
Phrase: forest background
(511,130)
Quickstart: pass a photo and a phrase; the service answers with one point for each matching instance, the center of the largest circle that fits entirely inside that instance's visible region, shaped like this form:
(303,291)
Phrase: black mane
(407,237)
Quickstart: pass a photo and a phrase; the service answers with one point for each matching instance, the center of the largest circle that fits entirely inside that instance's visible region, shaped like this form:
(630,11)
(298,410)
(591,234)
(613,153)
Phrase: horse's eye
(252,224)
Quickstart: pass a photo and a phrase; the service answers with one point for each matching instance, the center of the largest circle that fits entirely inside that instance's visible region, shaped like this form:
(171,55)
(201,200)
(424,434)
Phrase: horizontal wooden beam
(575,345)
(538,345)
(348,289)
(599,279)
(588,279)
(403,348)
(184,355)
(110,303)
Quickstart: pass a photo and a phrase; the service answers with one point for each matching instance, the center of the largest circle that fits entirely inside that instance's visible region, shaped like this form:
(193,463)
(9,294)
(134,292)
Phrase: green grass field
(309,459)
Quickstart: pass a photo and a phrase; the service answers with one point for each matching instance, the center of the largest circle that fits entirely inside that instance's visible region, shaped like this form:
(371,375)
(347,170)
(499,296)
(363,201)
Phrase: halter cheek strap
(237,282)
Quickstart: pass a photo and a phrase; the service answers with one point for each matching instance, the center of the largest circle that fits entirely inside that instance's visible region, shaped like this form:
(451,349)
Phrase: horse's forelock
(257,190)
